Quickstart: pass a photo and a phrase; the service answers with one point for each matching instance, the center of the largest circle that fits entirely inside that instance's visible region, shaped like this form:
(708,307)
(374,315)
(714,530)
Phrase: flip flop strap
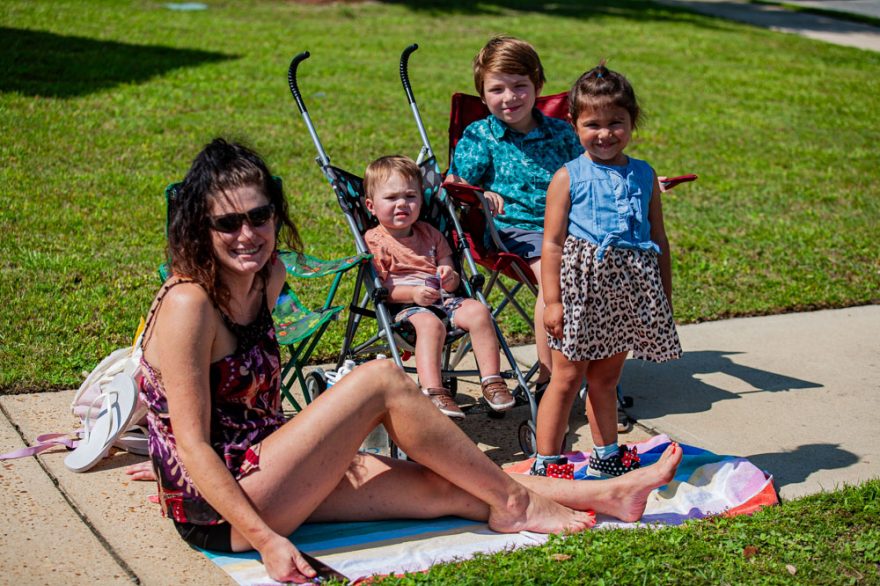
(44,442)
(99,400)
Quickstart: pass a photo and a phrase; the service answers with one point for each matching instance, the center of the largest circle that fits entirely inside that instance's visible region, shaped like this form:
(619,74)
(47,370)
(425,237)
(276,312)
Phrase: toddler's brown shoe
(442,399)
(497,394)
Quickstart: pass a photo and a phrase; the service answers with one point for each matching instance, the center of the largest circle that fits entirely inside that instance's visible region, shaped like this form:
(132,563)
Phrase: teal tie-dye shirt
(518,166)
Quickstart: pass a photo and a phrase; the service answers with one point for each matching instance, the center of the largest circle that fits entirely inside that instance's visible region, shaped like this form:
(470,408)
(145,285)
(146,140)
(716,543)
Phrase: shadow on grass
(637,9)
(37,63)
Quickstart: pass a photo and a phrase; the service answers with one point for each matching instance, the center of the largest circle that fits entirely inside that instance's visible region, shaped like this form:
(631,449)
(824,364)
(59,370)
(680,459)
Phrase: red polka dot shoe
(557,467)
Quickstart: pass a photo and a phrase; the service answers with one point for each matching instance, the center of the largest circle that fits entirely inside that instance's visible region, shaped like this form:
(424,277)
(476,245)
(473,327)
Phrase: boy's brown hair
(382,168)
(506,54)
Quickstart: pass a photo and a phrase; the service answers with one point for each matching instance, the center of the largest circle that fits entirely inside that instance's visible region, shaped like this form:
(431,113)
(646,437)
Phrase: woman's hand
(284,562)
(141,471)
(495,202)
(553,319)
(425,296)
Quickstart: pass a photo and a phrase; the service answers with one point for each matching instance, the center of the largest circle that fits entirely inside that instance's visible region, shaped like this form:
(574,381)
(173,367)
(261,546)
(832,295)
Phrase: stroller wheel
(316,383)
(451,383)
(527,439)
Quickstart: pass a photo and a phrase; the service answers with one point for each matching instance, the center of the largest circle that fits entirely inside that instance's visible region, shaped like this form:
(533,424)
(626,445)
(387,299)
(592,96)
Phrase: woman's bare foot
(528,511)
(629,495)
(141,471)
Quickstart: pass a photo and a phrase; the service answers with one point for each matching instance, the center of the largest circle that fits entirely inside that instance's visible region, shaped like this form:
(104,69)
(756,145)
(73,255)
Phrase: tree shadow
(38,63)
(637,9)
(796,466)
(674,387)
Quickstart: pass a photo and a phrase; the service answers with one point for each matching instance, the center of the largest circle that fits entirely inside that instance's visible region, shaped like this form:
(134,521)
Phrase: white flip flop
(134,441)
(117,406)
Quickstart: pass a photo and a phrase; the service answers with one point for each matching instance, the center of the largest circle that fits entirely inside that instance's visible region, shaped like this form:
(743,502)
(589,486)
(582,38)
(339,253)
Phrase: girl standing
(606,273)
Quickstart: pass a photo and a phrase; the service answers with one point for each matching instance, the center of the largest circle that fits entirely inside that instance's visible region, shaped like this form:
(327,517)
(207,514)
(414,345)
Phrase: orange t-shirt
(408,260)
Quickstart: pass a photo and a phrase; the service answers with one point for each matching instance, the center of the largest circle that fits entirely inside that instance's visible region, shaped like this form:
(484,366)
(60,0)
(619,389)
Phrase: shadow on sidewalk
(684,386)
(796,466)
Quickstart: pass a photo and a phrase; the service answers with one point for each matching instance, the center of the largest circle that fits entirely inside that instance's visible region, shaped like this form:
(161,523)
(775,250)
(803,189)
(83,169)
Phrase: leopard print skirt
(614,305)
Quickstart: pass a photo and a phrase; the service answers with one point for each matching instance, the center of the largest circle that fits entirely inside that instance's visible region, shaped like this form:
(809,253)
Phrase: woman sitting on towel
(234,475)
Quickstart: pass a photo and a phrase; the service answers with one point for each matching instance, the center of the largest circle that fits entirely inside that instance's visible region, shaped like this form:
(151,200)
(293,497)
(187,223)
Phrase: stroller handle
(404,73)
(291,80)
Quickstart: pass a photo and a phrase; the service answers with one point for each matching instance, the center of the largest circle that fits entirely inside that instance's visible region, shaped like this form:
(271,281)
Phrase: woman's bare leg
(623,497)
(305,461)
(430,496)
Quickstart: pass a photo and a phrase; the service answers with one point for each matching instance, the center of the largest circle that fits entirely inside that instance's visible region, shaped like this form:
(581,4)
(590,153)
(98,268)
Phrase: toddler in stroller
(414,262)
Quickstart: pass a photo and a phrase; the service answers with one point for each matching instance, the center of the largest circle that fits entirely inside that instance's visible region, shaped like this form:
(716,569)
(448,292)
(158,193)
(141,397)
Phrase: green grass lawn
(103,103)
(829,538)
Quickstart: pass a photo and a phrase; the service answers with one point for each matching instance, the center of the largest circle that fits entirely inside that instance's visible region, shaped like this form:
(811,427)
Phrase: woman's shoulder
(182,297)
(181,308)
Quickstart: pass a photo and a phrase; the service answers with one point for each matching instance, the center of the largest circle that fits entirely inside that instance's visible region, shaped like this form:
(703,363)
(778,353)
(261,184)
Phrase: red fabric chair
(467,109)
(482,237)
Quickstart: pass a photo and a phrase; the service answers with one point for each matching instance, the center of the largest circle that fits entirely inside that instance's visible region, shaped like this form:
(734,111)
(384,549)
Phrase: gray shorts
(523,243)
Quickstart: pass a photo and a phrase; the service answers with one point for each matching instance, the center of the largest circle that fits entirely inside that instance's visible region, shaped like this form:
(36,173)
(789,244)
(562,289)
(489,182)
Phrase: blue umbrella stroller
(370,297)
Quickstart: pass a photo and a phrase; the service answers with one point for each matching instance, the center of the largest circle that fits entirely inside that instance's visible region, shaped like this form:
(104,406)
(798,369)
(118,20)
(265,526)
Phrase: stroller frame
(369,288)
(453,200)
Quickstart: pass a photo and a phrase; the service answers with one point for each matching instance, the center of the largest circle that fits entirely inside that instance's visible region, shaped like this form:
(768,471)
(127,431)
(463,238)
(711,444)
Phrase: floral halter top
(245,409)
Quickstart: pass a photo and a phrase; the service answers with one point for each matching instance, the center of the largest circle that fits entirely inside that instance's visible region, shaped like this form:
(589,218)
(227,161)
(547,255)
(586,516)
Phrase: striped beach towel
(705,484)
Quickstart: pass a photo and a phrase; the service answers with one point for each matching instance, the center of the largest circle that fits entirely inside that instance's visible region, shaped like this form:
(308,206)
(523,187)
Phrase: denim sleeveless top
(609,205)
(245,409)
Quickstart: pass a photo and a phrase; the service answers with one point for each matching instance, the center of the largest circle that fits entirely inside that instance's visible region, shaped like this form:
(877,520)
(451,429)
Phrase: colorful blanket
(705,484)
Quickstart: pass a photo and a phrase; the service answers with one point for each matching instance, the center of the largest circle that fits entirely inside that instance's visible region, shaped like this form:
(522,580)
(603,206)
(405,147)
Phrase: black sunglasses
(256,217)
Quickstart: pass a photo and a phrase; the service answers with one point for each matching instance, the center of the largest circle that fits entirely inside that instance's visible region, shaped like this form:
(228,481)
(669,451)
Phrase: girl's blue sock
(544,459)
(605,452)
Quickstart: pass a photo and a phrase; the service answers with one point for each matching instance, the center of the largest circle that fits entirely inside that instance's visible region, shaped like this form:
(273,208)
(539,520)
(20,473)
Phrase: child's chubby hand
(448,277)
(553,319)
(425,296)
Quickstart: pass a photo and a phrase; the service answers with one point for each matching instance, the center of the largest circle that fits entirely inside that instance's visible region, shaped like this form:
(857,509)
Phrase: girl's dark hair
(600,87)
(220,167)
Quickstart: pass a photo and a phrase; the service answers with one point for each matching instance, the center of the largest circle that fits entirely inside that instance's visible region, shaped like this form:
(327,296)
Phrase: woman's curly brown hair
(220,167)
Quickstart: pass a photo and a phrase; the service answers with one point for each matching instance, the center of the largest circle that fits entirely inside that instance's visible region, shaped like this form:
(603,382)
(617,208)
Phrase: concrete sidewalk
(797,394)
(822,28)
